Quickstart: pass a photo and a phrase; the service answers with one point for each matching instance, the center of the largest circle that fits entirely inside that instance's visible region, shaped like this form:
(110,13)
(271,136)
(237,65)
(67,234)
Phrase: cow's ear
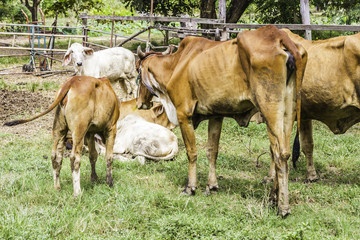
(67,58)
(158,110)
(88,51)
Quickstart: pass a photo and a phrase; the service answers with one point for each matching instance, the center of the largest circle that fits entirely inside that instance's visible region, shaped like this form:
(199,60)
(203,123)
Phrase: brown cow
(85,106)
(210,80)
(330,90)
(156,114)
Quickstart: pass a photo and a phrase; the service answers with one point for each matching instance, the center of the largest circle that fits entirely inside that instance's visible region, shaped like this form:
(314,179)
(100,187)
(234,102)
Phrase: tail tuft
(296,150)
(13,123)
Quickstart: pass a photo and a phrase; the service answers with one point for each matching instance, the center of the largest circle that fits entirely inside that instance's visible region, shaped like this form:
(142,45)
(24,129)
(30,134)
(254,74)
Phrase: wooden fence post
(222,16)
(305,16)
(85,31)
(112,31)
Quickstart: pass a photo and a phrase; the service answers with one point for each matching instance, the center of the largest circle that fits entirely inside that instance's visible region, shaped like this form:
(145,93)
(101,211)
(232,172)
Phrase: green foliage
(11,10)
(277,11)
(339,11)
(64,7)
(165,8)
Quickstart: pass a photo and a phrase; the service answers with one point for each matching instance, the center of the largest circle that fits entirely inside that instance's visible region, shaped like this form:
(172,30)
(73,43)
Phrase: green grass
(30,86)
(145,202)
(10,61)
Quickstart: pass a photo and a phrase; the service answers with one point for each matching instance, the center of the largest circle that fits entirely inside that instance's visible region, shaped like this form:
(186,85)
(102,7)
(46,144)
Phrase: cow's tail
(60,95)
(300,68)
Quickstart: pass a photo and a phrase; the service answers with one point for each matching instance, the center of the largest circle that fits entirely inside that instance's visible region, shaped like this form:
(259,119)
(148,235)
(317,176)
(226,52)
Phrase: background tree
(33,7)
(11,10)
(277,11)
(63,7)
(340,11)
(170,8)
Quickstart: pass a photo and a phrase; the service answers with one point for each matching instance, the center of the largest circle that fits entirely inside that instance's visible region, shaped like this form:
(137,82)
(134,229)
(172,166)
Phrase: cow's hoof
(211,189)
(284,211)
(58,188)
(77,193)
(189,191)
(268,179)
(312,177)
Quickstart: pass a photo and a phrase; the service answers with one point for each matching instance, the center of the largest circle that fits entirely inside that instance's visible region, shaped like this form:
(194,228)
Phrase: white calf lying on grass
(138,139)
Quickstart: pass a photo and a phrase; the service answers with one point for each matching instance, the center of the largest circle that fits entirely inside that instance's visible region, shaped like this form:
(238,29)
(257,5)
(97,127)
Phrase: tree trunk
(236,9)
(305,16)
(207,10)
(33,9)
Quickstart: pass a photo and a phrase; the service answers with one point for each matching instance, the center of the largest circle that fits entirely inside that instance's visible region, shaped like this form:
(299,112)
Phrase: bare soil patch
(24,104)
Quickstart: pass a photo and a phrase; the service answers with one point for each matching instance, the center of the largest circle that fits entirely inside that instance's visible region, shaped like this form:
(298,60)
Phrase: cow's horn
(140,53)
(167,51)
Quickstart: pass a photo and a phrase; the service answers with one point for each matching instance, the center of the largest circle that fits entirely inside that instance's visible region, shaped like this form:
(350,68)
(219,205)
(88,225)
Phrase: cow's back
(113,63)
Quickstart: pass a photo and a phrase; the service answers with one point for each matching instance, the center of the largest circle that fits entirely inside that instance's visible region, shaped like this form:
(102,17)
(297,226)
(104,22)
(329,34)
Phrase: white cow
(117,64)
(139,139)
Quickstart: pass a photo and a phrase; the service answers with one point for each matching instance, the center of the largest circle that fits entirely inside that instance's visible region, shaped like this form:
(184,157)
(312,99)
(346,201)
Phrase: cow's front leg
(307,145)
(280,192)
(187,131)
(109,145)
(214,130)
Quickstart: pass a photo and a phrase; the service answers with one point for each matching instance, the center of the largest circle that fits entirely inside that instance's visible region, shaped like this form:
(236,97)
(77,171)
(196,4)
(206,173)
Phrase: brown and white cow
(210,80)
(330,90)
(86,106)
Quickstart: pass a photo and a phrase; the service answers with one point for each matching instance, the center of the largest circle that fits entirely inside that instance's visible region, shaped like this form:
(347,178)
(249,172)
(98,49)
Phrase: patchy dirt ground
(17,104)
(24,104)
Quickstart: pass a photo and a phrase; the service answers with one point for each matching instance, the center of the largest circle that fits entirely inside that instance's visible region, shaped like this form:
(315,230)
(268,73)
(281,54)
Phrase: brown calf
(85,106)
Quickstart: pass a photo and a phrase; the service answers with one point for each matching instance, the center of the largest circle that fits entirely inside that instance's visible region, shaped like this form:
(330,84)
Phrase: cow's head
(147,85)
(76,54)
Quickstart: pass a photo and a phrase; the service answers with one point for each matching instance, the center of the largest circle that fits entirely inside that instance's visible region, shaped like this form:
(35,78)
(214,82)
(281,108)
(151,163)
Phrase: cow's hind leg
(214,130)
(109,145)
(59,135)
(307,145)
(93,155)
(75,157)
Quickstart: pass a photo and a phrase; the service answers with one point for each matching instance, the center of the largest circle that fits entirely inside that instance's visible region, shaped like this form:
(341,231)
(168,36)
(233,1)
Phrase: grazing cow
(137,137)
(86,106)
(210,80)
(155,114)
(117,64)
(330,90)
